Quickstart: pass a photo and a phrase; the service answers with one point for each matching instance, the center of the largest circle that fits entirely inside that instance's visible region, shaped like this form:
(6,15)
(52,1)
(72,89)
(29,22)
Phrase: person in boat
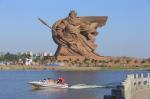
(61,81)
(43,80)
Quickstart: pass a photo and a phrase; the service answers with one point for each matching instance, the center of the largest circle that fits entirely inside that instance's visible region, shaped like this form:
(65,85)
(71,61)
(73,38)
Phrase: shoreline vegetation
(71,68)
(30,61)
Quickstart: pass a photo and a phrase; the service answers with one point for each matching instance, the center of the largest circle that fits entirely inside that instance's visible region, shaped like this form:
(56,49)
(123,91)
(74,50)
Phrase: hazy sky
(126,33)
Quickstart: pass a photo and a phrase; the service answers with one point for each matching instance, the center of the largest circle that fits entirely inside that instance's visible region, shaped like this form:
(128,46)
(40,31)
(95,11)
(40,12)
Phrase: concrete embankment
(135,86)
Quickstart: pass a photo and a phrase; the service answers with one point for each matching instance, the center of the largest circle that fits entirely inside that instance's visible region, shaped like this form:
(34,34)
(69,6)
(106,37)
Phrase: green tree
(10,57)
(1,58)
(86,62)
(24,56)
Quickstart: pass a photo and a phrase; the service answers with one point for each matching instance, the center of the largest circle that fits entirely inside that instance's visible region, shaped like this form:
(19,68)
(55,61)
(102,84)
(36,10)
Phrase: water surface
(13,84)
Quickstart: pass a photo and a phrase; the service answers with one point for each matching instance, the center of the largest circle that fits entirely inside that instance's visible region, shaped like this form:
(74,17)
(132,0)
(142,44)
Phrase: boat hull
(38,84)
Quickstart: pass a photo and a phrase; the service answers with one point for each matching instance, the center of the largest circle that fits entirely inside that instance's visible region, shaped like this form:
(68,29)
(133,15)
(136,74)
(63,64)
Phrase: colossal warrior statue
(75,36)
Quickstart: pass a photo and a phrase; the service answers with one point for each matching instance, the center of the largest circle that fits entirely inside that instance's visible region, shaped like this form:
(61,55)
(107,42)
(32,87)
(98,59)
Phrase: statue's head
(72,14)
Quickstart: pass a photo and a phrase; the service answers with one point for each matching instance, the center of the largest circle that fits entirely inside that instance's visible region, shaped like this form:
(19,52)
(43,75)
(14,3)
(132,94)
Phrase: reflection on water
(13,84)
(51,91)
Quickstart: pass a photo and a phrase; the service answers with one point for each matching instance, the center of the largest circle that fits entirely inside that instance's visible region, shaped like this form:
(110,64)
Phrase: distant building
(44,54)
(28,61)
(30,53)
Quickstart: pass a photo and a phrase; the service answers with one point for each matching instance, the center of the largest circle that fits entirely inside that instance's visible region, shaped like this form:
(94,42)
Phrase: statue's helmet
(72,13)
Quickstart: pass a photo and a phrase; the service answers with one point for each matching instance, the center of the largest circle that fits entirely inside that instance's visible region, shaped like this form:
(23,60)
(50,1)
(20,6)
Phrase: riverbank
(72,68)
(66,68)
(58,68)
(24,67)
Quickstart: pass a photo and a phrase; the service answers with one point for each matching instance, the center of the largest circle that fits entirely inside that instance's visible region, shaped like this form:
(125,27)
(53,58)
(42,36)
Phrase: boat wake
(84,86)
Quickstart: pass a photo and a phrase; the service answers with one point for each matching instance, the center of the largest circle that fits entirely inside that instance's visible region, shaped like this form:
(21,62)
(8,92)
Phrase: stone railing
(135,84)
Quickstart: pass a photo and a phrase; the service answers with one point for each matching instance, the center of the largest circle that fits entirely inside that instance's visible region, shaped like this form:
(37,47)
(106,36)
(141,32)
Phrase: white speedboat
(49,83)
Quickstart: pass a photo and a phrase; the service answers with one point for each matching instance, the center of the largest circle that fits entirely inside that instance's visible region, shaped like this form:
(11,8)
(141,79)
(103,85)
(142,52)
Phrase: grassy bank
(126,68)
(23,67)
(72,68)
(58,68)
(65,68)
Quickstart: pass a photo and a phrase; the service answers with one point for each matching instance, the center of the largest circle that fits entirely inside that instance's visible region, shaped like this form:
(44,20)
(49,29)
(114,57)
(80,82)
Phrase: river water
(13,84)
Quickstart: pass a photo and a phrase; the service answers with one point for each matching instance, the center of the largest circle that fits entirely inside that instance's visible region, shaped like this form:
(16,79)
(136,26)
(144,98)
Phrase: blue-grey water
(13,84)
